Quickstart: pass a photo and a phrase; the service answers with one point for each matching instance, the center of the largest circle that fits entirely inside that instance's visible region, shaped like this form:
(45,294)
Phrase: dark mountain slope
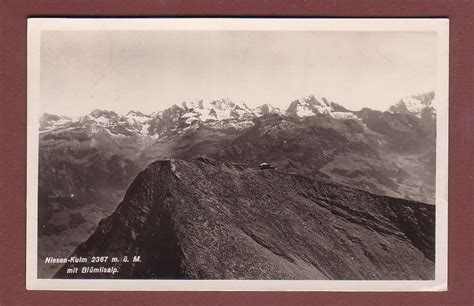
(216,220)
(286,141)
(316,146)
(406,133)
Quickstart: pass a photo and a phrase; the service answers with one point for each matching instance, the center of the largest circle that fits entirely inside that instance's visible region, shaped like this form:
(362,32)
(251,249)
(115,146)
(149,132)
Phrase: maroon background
(13,14)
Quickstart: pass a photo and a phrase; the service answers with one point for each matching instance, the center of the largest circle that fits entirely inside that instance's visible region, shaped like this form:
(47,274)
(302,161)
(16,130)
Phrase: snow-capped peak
(310,106)
(97,113)
(223,109)
(50,122)
(134,117)
(414,104)
(267,109)
(101,117)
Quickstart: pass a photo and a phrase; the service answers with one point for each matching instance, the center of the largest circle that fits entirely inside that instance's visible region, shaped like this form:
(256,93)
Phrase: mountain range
(86,164)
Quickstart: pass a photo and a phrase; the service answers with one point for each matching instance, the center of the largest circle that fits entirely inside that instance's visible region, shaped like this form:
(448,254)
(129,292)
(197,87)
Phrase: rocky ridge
(209,219)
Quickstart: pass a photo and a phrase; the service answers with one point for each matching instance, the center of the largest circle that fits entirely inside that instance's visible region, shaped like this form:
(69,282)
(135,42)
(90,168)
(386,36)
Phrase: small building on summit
(264,166)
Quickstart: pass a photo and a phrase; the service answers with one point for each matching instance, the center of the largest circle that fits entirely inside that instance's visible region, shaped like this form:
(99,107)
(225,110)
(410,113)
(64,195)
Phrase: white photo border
(438,25)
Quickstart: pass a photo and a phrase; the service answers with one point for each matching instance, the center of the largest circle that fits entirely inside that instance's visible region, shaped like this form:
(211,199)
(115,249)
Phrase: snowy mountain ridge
(223,113)
(311,105)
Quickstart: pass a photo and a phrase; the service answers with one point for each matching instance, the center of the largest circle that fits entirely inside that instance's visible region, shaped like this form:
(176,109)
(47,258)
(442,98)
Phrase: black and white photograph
(237,154)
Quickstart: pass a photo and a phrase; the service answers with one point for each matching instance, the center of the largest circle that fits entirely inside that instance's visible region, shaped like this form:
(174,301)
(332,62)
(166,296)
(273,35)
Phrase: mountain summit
(311,106)
(415,104)
(223,109)
(210,219)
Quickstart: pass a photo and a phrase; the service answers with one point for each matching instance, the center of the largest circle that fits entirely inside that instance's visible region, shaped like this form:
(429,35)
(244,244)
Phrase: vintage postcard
(237,154)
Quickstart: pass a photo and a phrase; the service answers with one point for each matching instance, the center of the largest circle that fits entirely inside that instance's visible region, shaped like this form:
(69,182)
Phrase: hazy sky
(151,70)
